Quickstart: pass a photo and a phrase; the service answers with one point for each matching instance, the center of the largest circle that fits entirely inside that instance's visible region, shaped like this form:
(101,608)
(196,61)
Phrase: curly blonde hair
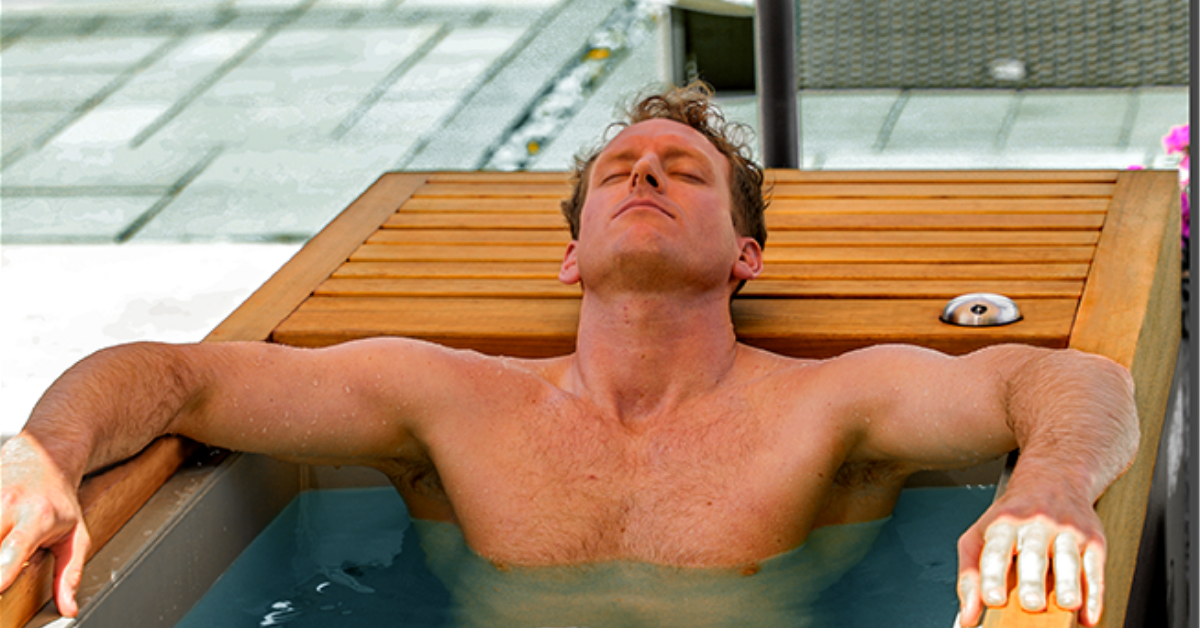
(690,105)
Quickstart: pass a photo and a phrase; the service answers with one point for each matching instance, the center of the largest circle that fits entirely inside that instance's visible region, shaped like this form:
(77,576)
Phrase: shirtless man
(661,439)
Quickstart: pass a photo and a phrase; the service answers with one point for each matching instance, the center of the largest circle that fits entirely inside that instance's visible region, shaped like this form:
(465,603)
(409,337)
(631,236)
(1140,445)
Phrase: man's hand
(39,508)
(1066,535)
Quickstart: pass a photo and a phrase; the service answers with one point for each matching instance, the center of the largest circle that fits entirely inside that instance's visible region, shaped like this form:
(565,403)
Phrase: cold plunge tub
(854,258)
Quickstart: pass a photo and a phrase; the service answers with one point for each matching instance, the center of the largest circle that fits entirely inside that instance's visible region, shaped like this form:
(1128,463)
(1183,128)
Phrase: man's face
(658,209)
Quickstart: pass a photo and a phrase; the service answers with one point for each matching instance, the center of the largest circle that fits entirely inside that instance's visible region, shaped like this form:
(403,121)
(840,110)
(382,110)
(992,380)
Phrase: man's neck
(641,355)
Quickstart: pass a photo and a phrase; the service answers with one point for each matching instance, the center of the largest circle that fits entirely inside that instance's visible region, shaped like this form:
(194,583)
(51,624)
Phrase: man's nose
(643,172)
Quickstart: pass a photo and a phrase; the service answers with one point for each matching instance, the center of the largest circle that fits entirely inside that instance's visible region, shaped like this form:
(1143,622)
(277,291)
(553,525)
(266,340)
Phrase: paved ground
(161,158)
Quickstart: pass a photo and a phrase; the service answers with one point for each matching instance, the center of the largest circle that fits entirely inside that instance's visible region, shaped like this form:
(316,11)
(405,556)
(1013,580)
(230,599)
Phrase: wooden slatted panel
(471,259)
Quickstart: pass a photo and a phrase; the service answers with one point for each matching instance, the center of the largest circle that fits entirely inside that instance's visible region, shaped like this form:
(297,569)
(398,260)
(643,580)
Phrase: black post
(778,103)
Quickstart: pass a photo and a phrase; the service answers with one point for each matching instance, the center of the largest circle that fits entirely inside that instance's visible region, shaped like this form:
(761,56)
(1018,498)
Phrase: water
(354,558)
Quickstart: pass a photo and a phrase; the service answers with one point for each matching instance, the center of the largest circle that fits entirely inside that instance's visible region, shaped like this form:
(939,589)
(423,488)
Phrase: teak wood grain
(855,258)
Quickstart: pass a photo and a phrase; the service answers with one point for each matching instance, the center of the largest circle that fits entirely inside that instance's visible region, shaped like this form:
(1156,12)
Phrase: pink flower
(1136,167)
(1187,217)
(1177,139)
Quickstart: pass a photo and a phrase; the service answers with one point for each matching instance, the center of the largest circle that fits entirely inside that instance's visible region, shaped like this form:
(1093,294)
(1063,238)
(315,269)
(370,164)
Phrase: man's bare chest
(721,485)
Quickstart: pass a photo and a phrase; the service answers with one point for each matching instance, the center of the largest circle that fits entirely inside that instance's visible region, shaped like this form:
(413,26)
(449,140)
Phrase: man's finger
(69,558)
(1033,543)
(13,554)
(994,561)
(1066,571)
(969,603)
(1093,572)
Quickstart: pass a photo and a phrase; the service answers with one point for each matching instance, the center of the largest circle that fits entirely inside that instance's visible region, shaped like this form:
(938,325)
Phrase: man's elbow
(1118,387)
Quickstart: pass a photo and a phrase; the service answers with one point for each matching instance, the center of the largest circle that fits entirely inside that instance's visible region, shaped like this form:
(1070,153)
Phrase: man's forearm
(1073,416)
(1075,419)
(110,405)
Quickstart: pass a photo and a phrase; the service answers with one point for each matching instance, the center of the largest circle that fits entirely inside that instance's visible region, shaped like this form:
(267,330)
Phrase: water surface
(354,558)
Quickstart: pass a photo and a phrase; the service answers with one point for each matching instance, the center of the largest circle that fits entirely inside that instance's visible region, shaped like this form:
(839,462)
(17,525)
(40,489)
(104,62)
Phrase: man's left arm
(1075,421)
(1073,417)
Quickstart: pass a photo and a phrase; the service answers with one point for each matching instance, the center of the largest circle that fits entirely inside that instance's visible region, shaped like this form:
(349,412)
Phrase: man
(661,439)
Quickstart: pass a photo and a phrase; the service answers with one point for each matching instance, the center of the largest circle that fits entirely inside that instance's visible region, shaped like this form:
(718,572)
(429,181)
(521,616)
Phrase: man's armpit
(870,474)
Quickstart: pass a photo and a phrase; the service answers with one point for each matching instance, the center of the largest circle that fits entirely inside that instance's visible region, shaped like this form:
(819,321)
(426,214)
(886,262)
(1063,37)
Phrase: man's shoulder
(844,375)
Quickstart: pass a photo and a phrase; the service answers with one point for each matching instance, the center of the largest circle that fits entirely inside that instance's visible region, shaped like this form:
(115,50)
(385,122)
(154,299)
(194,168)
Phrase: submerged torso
(784,592)
(726,480)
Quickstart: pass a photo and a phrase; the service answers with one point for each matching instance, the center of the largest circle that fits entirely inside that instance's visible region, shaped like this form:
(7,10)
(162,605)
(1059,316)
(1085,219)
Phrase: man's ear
(749,264)
(568,273)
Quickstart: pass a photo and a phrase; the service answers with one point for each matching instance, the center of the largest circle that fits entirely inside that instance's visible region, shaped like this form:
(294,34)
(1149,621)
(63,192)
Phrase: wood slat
(497,201)
(776,221)
(851,176)
(465,270)
(470,190)
(867,237)
(549,288)
(944,254)
(546,327)
(838,254)
(782,190)
(802,272)
(948,205)
(498,178)
(947,189)
(475,220)
(470,237)
(934,221)
(911,289)
(434,252)
(539,288)
(935,176)
(986,271)
(479,204)
(779,238)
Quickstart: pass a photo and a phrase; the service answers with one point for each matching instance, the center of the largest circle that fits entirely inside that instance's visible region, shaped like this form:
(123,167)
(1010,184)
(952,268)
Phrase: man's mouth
(642,204)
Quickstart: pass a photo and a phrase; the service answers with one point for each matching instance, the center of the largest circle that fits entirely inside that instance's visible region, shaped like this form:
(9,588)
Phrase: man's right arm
(352,403)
